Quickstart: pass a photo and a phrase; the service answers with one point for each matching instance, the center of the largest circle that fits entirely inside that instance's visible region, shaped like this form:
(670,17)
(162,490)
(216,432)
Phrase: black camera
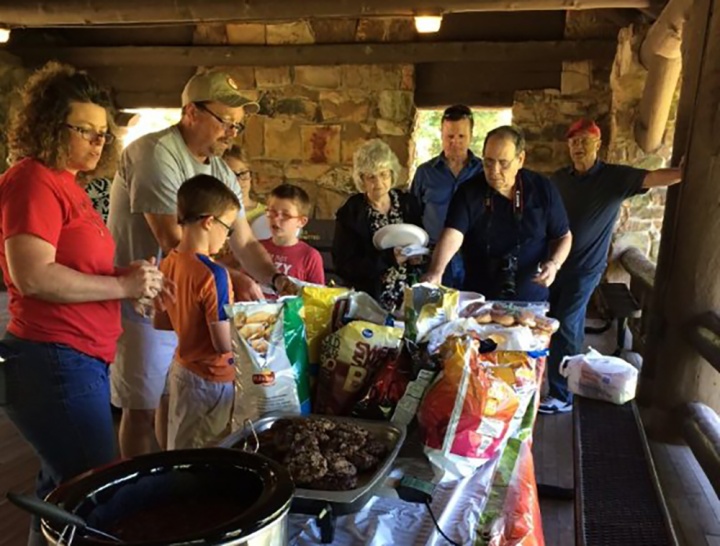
(508,276)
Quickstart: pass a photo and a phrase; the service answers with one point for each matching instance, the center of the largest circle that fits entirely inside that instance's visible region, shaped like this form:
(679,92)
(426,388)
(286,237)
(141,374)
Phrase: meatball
(307,467)
(340,466)
(332,483)
(375,448)
(363,460)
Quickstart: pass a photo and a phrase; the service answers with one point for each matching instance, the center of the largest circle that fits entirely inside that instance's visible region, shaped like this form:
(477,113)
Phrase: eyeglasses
(504,164)
(281,215)
(227,125)
(185,221)
(582,140)
(376,176)
(230,229)
(91,135)
(244,175)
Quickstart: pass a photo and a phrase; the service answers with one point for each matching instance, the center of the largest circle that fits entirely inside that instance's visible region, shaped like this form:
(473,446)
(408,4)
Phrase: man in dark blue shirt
(593,193)
(510,223)
(436,180)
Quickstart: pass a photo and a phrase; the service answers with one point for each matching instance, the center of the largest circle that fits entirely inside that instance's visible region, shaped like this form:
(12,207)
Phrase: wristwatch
(275,277)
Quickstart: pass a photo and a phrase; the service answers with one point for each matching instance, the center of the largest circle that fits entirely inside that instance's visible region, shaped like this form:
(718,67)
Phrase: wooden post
(660,54)
(688,278)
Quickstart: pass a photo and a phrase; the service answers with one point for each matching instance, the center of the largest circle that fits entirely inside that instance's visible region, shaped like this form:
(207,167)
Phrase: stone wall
(313,118)
(12,77)
(641,217)
(610,95)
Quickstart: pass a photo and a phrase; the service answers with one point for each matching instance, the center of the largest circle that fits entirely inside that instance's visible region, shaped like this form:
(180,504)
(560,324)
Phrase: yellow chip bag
(427,306)
(318,302)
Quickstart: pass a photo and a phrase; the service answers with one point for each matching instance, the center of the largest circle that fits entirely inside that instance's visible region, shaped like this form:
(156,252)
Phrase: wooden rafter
(87,12)
(386,53)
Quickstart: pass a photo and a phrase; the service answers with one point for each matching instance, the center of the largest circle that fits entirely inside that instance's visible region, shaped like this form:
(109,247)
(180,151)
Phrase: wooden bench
(618,304)
(618,499)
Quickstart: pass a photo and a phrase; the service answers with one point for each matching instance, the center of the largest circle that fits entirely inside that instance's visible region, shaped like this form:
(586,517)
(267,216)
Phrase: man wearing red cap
(593,192)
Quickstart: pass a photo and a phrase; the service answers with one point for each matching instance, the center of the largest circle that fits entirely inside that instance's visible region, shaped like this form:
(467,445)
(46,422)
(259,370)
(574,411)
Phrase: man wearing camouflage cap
(143,221)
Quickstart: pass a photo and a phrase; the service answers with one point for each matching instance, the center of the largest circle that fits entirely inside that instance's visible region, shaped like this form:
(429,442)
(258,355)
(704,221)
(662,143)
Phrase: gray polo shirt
(150,172)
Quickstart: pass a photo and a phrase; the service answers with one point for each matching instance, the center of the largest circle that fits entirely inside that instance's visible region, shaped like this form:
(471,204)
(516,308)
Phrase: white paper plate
(400,235)
(261,228)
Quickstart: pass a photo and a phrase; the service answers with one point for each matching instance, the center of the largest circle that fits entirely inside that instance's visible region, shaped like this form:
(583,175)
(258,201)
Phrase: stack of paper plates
(400,235)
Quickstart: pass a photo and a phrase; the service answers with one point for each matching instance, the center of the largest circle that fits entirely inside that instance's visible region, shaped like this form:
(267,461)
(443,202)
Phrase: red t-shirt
(35,200)
(300,261)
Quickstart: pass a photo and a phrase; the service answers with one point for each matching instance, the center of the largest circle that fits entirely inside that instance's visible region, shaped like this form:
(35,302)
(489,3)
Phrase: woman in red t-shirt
(57,259)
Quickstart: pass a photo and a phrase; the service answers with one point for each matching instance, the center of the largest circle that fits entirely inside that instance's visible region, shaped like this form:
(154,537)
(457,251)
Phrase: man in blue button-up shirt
(437,180)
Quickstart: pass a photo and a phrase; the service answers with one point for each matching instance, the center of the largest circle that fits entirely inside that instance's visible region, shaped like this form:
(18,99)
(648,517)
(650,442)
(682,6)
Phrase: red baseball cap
(584,125)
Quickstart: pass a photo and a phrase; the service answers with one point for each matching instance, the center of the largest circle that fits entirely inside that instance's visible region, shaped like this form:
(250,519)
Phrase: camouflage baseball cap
(217,87)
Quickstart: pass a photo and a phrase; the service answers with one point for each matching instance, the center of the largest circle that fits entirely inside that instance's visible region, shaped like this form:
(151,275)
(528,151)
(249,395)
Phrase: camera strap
(518,205)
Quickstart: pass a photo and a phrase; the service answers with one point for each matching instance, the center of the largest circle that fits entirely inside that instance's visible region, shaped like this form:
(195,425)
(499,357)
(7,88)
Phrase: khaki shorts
(199,410)
(139,373)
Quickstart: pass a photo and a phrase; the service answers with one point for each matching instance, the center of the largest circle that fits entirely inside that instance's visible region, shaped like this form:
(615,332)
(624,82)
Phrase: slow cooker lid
(92,495)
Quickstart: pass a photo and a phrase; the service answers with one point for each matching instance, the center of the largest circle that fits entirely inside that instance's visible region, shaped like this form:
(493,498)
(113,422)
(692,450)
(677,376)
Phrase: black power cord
(412,489)
(437,525)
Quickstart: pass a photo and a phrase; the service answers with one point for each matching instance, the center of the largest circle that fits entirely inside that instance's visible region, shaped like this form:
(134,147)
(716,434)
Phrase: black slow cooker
(210,496)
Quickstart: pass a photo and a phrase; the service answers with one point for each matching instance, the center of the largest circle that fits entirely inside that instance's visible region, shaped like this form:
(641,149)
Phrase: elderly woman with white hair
(380,273)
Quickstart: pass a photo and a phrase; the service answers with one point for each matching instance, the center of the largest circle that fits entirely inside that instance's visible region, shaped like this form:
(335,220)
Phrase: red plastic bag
(521,513)
(386,389)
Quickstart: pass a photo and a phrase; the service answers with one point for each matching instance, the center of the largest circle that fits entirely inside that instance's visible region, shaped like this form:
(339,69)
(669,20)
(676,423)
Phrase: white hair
(371,158)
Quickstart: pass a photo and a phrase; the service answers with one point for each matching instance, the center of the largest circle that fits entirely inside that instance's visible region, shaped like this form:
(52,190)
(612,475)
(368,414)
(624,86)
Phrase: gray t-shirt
(151,170)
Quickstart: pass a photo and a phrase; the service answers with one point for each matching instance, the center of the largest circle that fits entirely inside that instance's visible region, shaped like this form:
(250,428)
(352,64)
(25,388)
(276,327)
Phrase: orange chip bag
(466,414)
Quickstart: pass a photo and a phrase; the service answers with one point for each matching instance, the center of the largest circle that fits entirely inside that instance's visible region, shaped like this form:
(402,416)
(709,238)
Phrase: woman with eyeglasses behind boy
(57,259)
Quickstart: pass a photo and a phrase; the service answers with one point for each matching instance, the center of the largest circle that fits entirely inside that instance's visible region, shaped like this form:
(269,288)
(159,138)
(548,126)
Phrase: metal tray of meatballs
(339,461)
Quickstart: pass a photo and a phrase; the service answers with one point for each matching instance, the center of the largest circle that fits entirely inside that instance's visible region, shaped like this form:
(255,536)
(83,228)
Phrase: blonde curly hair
(37,127)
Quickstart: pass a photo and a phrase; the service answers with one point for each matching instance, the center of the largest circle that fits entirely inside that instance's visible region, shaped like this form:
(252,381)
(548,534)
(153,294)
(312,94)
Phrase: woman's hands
(402,259)
(142,279)
(143,282)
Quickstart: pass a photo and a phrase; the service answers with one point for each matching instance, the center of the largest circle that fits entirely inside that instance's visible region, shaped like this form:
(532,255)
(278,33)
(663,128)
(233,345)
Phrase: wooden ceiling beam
(29,13)
(330,54)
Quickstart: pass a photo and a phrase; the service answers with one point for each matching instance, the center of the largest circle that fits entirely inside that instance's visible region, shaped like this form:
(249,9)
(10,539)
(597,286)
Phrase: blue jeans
(569,298)
(59,400)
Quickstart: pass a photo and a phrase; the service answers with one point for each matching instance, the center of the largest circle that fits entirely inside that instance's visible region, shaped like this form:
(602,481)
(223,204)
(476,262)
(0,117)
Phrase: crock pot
(218,497)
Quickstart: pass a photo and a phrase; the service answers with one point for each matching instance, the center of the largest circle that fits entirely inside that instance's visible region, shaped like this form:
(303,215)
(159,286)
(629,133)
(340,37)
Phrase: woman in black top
(381,273)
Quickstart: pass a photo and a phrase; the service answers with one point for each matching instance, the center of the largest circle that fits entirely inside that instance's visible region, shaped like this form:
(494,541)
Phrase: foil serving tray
(311,501)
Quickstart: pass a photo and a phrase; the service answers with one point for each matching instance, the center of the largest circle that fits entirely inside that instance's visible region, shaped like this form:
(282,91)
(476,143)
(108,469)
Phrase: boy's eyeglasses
(91,135)
(227,125)
(282,216)
(184,221)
